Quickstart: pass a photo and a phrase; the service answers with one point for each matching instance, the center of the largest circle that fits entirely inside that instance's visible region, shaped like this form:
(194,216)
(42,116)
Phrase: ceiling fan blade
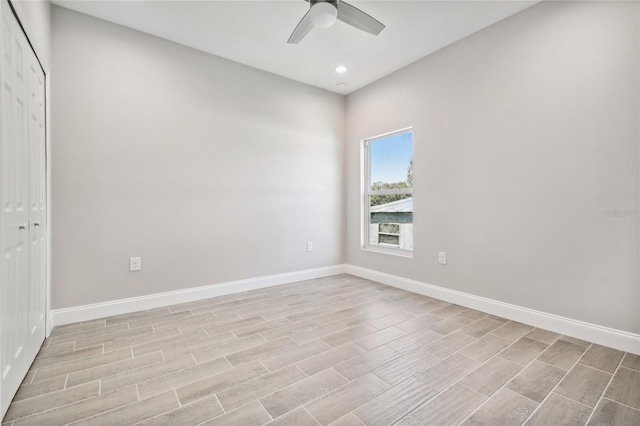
(302,29)
(355,17)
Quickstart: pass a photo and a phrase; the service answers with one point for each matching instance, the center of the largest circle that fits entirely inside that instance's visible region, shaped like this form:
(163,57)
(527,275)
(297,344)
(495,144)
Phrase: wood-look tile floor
(332,351)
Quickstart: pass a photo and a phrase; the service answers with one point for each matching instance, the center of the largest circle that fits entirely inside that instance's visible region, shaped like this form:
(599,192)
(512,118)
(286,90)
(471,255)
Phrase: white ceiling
(255,33)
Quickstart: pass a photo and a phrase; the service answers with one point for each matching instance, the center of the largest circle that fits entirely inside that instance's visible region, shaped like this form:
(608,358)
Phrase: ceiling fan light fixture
(323,14)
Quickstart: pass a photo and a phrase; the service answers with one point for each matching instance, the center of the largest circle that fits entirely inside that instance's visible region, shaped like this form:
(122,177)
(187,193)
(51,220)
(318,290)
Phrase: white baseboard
(134,304)
(618,339)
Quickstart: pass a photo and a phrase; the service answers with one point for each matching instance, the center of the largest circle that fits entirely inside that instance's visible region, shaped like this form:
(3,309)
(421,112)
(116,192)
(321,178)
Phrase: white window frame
(366,192)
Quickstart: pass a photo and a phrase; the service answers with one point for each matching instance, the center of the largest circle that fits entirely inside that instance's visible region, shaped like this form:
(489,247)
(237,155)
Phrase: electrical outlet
(135,263)
(442,258)
(309,246)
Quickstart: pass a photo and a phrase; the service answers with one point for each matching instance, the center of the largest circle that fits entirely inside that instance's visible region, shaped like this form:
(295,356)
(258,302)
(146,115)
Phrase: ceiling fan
(323,14)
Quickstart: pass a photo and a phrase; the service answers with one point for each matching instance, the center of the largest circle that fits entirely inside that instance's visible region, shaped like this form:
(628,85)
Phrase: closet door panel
(23,206)
(37,206)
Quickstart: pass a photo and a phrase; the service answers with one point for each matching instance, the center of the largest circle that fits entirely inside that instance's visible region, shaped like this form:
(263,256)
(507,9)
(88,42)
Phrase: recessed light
(341,84)
(341,69)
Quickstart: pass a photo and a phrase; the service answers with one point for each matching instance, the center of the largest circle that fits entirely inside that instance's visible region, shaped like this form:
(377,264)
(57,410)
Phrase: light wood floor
(339,351)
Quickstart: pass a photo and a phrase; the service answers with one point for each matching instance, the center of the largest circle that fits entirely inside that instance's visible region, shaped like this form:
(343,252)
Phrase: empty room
(320,212)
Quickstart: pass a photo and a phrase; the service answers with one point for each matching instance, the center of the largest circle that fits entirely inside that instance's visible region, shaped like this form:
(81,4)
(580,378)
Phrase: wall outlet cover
(135,263)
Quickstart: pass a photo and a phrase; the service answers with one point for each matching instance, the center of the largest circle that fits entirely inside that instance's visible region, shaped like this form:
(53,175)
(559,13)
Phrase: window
(388,193)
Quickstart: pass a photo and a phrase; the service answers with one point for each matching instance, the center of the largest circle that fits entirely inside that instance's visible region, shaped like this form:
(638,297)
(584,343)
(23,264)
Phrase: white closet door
(23,258)
(37,205)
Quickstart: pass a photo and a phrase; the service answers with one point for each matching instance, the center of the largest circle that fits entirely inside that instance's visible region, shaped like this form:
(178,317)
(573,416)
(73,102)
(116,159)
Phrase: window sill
(389,250)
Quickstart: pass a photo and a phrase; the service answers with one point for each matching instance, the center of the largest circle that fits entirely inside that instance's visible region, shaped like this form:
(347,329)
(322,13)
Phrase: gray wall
(525,133)
(209,170)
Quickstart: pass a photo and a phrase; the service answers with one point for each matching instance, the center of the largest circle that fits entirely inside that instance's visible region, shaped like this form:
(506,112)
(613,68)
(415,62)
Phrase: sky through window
(390,157)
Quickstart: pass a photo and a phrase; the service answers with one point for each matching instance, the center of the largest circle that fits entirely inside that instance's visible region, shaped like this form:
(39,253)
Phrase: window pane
(391,221)
(392,161)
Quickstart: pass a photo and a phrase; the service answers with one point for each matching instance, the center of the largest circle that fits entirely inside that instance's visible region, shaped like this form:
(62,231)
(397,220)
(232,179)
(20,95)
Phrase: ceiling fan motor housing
(323,12)
(333,2)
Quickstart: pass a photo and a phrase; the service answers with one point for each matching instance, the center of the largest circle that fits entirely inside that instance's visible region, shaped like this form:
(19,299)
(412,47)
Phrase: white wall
(525,133)
(209,170)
